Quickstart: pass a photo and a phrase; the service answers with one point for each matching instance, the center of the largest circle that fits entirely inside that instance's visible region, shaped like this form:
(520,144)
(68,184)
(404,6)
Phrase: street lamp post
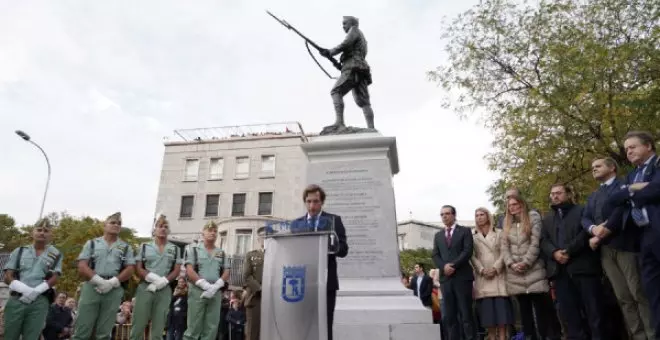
(26,137)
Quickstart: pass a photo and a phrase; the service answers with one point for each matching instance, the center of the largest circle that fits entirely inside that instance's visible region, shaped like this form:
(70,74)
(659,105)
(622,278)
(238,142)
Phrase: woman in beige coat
(493,304)
(525,271)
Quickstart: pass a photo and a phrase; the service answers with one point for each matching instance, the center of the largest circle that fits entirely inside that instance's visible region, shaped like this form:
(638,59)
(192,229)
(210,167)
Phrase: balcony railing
(236,277)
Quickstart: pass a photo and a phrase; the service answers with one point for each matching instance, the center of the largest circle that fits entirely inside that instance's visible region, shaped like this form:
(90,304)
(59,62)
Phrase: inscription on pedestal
(360,191)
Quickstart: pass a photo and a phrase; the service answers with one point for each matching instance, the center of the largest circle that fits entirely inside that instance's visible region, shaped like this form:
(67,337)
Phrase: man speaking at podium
(317,219)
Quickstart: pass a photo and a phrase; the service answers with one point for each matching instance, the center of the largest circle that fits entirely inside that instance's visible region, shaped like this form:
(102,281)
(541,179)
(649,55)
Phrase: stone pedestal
(356,172)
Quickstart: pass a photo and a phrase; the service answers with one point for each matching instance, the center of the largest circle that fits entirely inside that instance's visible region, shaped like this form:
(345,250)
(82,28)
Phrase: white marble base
(381,309)
(356,171)
(387,332)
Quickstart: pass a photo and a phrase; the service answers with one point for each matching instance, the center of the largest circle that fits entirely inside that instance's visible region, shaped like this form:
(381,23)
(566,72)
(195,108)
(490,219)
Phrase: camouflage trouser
(356,81)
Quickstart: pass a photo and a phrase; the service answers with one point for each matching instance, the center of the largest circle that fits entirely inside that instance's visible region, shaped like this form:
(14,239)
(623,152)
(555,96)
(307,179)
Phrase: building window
(186,206)
(216,168)
(242,167)
(268,166)
(238,205)
(243,241)
(402,242)
(265,203)
(223,240)
(212,204)
(192,170)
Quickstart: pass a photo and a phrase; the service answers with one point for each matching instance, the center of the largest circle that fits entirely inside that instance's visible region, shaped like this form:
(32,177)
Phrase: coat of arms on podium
(293,283)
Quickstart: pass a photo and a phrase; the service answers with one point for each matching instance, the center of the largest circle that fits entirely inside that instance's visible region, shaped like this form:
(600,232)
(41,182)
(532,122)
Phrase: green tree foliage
(10,235)
(69,236)
(558,82)
(409,257)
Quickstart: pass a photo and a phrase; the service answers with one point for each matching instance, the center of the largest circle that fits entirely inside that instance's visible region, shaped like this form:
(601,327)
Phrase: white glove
(220,283)
(97,281)
(152,288)
(203,284)
(20,287)
(34,294)
(114,282)
(102,286)
(161,283)
(209,293)
(151,277)
(103,289)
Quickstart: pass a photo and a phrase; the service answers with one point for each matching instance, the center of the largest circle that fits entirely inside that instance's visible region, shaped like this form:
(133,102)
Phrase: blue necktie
(637,213)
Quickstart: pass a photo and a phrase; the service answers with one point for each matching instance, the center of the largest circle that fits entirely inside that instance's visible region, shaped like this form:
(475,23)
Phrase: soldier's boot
(338,102)
(369,116)
(339,120)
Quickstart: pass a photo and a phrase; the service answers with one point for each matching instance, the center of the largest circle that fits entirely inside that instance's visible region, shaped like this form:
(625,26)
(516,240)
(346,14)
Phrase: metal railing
(236,265)
(4,257)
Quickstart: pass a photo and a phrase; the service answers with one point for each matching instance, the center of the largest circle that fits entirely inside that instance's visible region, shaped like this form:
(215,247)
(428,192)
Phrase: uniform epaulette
(53,253)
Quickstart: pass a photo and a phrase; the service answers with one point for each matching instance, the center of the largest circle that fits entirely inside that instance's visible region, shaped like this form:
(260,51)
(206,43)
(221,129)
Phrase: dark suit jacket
(459,253)
(178,319)
(626,240)
(425,289)
(583,260)
(58,318)
(649,198)
(333,280)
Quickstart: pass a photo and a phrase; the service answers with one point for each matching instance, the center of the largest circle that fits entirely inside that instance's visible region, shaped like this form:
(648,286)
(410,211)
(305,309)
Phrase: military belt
(17,294)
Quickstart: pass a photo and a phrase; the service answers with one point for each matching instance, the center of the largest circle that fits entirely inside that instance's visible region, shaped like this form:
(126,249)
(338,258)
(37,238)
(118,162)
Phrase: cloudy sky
(100,83)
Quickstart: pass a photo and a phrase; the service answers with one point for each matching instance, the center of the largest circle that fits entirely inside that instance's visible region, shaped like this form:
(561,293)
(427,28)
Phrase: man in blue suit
(638,206)
(452,250)
(317,219)
(618,252)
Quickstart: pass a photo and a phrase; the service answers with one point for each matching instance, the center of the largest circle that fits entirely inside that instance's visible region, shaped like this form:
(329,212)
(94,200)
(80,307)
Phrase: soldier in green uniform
(204,263)
(106,261)
(30,273)
(253,271)
(158,264)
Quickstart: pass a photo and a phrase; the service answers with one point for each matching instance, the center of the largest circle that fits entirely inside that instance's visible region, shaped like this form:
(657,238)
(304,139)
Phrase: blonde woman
(493,304)
(435,295)
(525,271)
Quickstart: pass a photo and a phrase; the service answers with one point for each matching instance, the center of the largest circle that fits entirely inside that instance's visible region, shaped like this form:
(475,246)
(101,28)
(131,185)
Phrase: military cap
(43,223)
(355,21)
(211,225)
(114,217)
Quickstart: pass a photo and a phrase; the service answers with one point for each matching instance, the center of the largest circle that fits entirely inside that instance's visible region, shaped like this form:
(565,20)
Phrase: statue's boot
(339,121)
(369,116)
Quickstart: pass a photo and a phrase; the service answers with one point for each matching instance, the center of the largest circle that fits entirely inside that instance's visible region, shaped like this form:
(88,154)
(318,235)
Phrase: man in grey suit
(452,250)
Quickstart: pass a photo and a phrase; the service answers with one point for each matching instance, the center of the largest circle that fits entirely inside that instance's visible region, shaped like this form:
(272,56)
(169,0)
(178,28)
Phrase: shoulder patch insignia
(52,255)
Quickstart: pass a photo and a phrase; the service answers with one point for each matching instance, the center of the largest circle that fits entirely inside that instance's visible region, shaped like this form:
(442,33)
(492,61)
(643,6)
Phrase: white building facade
(241,177)
(415,234)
